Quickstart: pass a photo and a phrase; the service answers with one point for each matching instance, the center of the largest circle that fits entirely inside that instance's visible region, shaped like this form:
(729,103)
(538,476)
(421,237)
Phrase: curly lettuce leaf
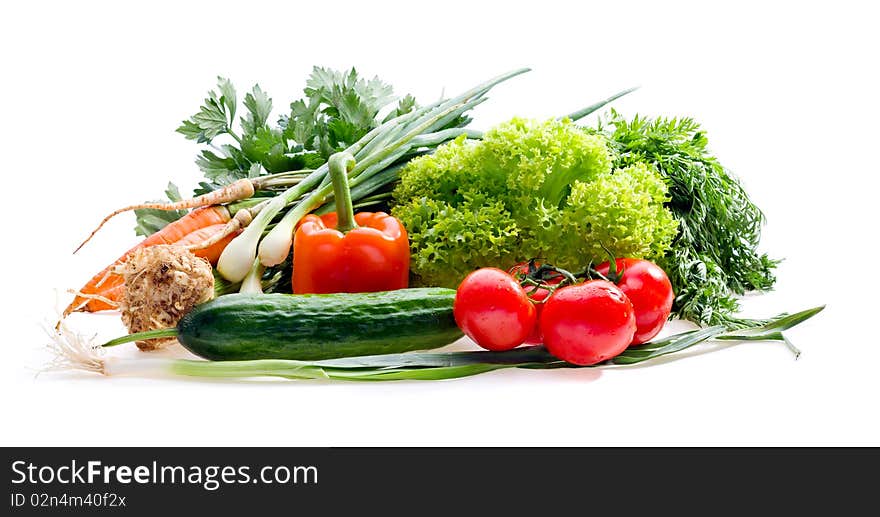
(449,241)
(540,159)
(623,212)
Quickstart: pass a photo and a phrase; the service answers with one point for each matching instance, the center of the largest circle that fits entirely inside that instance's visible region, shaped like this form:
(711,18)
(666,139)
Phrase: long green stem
(439,137)
(581,113)
(142,336)
(365,192)
(281,179)
(423,126)
(258,368)
(340,165)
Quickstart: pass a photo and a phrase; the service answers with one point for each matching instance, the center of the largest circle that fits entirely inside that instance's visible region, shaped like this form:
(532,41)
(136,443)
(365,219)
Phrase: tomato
(537,295)
(649,290)
(588,323)
(493,309)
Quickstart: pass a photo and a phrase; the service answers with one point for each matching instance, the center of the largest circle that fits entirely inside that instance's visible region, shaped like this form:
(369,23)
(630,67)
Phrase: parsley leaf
(300,125)
(404,106)
(339,108)
(228,97)
(259,106)
(191,130)
(214,117)
(268,147)
(225,167)
(375,92)
(354,111)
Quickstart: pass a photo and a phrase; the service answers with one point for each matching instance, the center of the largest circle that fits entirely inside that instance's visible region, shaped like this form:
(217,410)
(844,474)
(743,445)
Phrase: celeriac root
(236,191)
(162,283)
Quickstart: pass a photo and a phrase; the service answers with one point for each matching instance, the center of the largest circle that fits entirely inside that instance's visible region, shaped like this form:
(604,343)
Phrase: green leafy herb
(259,106)
(714,257)
(215,117)
(338,109)
(150,221)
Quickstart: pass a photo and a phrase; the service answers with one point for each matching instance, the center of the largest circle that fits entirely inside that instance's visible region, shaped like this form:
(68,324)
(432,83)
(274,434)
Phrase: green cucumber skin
(319,326)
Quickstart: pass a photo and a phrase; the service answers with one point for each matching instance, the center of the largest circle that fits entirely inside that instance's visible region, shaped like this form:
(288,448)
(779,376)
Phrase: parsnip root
(240,221)
(236,191)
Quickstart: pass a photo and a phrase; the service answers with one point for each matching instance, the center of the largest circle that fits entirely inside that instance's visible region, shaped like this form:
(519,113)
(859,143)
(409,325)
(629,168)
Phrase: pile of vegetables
(243,196)
(579,242)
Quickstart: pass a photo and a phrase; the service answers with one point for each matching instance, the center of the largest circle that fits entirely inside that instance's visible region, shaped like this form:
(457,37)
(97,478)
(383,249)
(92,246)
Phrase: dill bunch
(714,258)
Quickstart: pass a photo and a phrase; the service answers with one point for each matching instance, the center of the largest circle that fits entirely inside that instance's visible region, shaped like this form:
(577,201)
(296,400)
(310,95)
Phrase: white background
(788,92)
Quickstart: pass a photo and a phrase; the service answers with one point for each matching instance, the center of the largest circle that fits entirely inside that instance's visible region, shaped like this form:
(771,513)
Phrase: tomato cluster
(582,323)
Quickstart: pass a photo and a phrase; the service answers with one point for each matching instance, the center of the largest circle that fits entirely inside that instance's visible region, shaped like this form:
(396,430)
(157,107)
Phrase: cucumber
(319,326)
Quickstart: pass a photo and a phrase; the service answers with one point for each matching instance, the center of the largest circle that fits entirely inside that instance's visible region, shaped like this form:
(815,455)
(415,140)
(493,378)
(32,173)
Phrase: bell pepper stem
(340,164)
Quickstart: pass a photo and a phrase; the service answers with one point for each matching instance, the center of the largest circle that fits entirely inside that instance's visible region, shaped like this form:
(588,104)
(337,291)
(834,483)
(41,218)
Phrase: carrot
(108,284)
(110,292)
(210,253)
(242,218)
(241,189)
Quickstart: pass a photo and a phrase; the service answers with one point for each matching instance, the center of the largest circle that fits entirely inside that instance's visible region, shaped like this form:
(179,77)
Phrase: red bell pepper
(346,253)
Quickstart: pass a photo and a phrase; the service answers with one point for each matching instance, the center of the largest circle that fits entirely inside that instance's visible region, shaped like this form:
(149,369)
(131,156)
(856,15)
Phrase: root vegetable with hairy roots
(162,283)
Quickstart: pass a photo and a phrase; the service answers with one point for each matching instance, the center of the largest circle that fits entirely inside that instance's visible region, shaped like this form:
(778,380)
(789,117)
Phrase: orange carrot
(111,289)
(212,252)
(109,284)
(241,189)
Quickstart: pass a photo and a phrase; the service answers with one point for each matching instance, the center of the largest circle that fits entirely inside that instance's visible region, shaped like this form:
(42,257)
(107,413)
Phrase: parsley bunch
(338,108)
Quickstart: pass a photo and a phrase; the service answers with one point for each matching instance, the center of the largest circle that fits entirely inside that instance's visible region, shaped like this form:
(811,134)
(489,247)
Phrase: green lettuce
(529,189)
